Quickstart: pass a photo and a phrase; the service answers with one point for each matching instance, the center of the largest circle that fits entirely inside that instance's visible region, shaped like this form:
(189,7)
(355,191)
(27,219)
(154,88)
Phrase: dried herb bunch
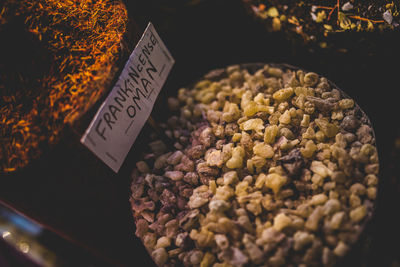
(314,20)
(78,44)
(272,166)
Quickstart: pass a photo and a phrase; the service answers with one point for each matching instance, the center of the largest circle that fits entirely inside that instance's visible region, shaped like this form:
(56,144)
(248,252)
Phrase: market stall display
(53,179)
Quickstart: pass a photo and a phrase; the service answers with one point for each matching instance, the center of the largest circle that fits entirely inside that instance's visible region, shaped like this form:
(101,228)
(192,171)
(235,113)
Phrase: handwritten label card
(122,115)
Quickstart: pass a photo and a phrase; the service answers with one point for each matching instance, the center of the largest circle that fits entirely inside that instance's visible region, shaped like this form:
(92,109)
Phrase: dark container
(221,32)
(67,190)
(369,248)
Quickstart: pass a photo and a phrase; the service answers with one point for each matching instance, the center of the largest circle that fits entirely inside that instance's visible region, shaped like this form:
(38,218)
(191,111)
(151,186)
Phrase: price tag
(122,115)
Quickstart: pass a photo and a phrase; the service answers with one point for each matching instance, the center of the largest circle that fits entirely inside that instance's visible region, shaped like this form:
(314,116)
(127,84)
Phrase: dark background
(75,195)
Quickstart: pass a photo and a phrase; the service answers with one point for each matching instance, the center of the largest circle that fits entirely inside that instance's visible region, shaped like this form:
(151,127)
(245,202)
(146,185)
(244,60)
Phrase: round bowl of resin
(272,165)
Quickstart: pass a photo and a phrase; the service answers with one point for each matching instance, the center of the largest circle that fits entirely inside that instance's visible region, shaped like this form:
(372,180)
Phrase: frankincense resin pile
(272,167)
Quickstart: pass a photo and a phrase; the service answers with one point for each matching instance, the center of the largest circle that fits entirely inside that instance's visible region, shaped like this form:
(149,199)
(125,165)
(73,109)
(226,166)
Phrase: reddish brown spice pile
(83,41)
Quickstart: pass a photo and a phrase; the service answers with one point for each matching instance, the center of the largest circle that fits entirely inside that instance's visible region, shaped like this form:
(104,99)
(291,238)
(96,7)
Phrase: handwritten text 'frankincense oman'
(132,90)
